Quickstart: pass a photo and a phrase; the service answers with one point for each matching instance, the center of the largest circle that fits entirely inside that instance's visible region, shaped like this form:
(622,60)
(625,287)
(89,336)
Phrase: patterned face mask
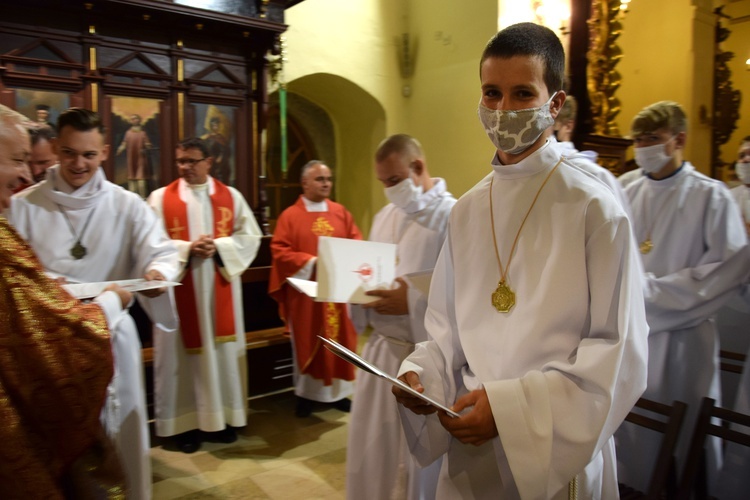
(514,131)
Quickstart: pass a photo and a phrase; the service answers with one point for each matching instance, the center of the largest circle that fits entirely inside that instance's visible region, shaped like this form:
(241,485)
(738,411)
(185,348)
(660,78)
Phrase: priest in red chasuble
(319,375)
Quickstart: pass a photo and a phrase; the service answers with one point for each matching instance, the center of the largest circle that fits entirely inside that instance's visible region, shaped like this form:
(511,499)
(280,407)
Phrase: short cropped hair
(569,110)
(660,115)
(307,166)
(529,39)
(194,143)
(39,134)
(80,119)
(402,144)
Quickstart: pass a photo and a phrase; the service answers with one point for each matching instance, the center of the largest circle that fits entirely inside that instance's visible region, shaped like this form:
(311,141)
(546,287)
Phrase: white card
(346,269)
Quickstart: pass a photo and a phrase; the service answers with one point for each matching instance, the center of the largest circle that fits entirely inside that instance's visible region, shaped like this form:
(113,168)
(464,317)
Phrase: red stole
(176,221)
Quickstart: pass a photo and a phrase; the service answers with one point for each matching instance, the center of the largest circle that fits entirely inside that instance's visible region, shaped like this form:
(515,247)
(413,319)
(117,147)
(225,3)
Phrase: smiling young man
(693,246)
(535,314)
(200,369)
(87,229)
(319,375)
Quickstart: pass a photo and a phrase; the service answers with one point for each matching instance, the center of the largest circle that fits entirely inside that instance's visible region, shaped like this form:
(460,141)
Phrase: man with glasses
(693,247)
(86,229)
(201,369)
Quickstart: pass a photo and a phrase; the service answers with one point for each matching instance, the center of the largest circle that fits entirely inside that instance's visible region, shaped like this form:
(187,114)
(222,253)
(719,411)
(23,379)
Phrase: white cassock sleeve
(416,298)
(687,297)
(238,251)
(112,306)
(150,244)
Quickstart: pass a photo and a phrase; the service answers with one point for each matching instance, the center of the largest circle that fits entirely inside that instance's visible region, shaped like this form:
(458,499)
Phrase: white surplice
(206,391)
(741,195)
(629,177)
(376,447)
(698,261)
(587,163)
(564,367)
(123,240)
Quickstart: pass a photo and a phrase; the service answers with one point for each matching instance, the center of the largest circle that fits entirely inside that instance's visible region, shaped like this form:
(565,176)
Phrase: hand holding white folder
(346,269)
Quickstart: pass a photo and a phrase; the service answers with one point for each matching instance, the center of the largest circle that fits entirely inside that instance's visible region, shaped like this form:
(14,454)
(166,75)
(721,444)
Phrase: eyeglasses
(190,162)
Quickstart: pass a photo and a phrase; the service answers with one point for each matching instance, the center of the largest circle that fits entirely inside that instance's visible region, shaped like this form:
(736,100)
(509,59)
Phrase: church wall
(738,43)
(341,55)
(445,89)
(358,41)
(667,55)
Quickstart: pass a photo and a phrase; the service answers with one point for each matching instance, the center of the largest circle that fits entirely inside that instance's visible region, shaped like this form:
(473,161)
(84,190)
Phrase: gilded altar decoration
(603,80)
(726,100)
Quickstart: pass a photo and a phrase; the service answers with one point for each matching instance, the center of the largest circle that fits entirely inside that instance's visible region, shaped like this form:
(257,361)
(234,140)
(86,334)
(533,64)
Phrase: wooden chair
(694,480)
(732,362)
(664,476)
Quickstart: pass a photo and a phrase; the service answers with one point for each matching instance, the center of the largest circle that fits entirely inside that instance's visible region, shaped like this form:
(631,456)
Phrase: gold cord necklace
(647,245)
(503,298)
(78,251)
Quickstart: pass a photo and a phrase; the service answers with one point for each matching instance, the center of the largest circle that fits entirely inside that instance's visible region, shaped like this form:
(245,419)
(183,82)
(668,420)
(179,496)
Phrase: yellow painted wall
(668,55)
(739,43)
(341,55)
(442,111)
(665,45)
(356,41)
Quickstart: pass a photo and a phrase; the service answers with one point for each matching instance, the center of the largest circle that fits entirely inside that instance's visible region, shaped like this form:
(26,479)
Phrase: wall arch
(359,124)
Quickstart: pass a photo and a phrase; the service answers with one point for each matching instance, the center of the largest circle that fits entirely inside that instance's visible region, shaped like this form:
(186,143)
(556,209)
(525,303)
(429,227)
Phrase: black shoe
(304,407)
(188,442)
(228,435)
(344,405)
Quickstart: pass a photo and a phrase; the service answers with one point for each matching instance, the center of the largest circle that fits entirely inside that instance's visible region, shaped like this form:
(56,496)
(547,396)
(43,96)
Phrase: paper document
(359,362)
(346,269)
(309,288)
(83,291)
(420,280)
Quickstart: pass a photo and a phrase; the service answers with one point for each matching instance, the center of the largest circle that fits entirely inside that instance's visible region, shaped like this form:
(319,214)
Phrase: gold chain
(504,271)
(647,245)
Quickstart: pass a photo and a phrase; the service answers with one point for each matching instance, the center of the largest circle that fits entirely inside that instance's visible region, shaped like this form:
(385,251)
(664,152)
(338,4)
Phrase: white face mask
(404,194)
(652,158)
(514,131)
(743,172)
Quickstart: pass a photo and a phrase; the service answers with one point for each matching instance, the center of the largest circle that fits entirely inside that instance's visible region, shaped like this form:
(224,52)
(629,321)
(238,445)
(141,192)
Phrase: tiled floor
(277,456)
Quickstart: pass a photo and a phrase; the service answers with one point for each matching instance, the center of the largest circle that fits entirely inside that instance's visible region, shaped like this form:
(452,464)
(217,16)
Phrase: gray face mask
(514,131)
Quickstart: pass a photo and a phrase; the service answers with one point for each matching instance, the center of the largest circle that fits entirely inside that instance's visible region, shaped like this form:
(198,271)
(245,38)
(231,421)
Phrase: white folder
(346,269)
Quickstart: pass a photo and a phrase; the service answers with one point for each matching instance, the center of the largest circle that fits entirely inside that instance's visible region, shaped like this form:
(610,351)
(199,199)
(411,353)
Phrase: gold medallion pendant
(503,298)
(646,246)
(78,251)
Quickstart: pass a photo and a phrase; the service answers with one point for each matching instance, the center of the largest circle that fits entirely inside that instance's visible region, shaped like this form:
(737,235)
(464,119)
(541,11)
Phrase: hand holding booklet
(346,269)
(361,363)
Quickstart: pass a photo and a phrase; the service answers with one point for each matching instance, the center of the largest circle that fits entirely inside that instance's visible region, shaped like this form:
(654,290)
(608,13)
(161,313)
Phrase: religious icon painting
(41,107)
(215,124)
(135,145)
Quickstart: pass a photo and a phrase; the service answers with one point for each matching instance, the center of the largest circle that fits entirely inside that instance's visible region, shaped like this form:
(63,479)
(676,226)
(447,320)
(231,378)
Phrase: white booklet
(83,291)
(360,362)
(346,269)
